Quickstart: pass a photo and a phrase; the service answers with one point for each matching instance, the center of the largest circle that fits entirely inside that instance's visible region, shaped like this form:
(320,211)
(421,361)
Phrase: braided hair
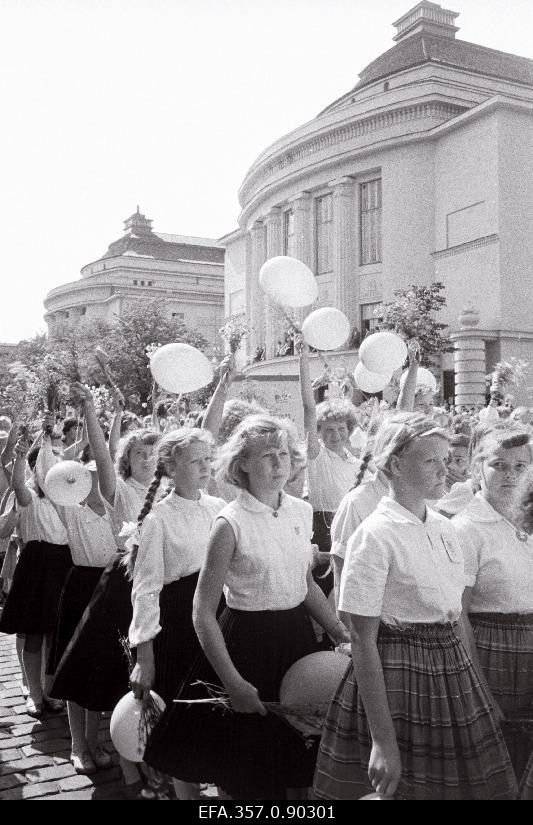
(371,433)
(171,443)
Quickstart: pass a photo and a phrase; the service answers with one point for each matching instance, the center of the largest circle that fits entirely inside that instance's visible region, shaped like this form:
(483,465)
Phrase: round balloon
(326,328)
(68,483)
(383,352)
(424,380)
(180,368)
(124,726)
(288,281)
(370,381)
(311,682)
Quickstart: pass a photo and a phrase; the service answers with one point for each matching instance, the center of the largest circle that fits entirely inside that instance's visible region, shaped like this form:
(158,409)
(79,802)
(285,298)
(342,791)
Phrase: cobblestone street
(35,753)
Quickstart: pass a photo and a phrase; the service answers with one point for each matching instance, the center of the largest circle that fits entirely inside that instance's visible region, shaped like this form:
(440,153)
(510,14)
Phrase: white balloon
(124,726)
(326,328)
(68,483)
(288,281)
(370,381)
(424,379)
(383,352)
(180,368)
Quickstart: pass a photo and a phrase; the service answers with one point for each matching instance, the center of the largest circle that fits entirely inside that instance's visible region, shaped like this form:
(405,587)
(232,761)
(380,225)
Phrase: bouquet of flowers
(234,331)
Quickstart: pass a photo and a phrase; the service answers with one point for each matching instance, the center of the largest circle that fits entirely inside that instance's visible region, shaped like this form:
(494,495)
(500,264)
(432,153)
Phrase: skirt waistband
(419,631)
(502,618)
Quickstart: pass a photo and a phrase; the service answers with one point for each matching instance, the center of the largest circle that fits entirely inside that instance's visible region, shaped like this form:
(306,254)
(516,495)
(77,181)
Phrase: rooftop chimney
(138,224)
(429,18)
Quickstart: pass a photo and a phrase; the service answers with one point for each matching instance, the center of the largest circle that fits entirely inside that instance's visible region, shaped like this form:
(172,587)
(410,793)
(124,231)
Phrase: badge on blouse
(297,531)
(453,553)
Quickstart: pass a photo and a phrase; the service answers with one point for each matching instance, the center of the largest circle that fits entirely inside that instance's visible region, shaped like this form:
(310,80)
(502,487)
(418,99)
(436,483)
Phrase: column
(469,361)
(274,322)
(254,294)
(344,247)
(303,233)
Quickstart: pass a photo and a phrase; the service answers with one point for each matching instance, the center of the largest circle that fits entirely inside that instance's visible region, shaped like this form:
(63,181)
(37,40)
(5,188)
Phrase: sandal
(54,705)
(33,708)
(101,758)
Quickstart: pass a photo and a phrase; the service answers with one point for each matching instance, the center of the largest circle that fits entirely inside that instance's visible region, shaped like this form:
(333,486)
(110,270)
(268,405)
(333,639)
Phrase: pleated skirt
(505,646)
(77,592)
(451,747)
(247,755)
(33,601)
(94,671)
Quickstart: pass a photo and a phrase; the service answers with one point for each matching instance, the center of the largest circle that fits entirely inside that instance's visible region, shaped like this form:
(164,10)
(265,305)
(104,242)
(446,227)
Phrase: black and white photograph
(266,403)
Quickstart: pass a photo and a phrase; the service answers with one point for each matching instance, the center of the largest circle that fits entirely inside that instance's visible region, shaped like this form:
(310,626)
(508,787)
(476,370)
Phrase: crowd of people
(228,546)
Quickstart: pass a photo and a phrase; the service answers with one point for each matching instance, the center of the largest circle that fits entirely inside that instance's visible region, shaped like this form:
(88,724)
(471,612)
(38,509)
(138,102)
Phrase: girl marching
(260,554)
(411,717)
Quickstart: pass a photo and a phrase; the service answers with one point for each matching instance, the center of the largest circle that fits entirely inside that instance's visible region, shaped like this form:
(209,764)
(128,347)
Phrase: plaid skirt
(450,745)
(505,645)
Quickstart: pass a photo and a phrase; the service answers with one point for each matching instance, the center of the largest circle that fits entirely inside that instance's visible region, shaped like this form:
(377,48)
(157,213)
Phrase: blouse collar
(253,505)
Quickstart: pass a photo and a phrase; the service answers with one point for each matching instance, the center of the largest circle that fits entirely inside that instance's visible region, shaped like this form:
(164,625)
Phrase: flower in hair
(130,531)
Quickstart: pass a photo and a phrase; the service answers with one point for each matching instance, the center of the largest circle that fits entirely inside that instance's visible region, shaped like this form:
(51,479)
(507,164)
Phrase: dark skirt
(93,671)
(176,647)
(322,573)
(77,592)
(33,601)
(451,747)
(505,646)
(247,755)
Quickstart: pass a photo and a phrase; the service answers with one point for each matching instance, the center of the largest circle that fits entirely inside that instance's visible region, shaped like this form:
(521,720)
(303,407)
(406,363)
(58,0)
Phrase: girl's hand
(48,422)
(21,447)
(245,699)
(413,351)
(142,680)
(300,346)
(119,401)
(385,768)
(84,394)
(228,369)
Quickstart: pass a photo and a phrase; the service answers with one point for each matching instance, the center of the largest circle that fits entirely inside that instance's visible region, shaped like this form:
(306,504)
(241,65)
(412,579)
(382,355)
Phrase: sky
(106,104)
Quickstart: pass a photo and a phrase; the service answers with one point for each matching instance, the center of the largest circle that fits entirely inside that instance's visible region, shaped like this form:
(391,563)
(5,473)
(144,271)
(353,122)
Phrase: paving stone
(66,797)
(9,693)
(53,746)
(9,701)
(21,765)
(10,755)
(76,783)
(50,774)
(17,742)
(13,780)
(17,719)
(29,791)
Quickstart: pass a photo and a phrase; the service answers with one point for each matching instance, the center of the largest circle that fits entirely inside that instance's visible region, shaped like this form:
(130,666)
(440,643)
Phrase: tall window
(289,246)
(370,211)
(368,319)
(324,234)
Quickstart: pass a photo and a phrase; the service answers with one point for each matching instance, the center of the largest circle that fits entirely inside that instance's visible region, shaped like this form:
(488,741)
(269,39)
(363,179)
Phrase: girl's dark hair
(524,502)
(31,458)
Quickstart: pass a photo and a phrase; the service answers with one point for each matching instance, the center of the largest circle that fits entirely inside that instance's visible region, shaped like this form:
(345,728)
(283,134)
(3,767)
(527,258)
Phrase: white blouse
(129,499)
(402,569)
(329,477)
(173,545)
(499,567)
(268,570)
(353,509)
(90,536)
(39,521)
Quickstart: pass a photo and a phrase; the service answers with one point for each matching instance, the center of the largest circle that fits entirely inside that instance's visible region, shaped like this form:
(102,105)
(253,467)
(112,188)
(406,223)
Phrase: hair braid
(130,556)
(365,461)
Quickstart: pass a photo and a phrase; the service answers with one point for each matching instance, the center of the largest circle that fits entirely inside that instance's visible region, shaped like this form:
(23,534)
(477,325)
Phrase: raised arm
(8,453)
(71,453)
(104,463)
(308,400)
(384,769)
(406,398)
(18,478)
(114,432)
(213,414)
(243,696)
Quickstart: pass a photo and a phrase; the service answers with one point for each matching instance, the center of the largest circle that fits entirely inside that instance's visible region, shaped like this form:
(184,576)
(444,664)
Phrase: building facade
(187,272)
(422,172)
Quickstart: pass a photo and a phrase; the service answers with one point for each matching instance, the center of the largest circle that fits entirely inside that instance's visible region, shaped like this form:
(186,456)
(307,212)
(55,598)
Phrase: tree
(411,316)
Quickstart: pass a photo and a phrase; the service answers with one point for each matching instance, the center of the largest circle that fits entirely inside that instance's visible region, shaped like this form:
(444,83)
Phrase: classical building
(422,172)
(187,272)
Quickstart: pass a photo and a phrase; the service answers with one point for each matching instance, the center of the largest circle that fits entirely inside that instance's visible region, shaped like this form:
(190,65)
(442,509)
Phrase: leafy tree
(411,315)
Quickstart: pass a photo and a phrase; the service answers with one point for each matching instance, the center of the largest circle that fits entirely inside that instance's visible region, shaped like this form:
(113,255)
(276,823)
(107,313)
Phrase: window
(368,319)
(67,314)
(150,283)
(324,234)
(142,283)
(83,310)
(135,283)
(179,315)
(370,210)
(289,245)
